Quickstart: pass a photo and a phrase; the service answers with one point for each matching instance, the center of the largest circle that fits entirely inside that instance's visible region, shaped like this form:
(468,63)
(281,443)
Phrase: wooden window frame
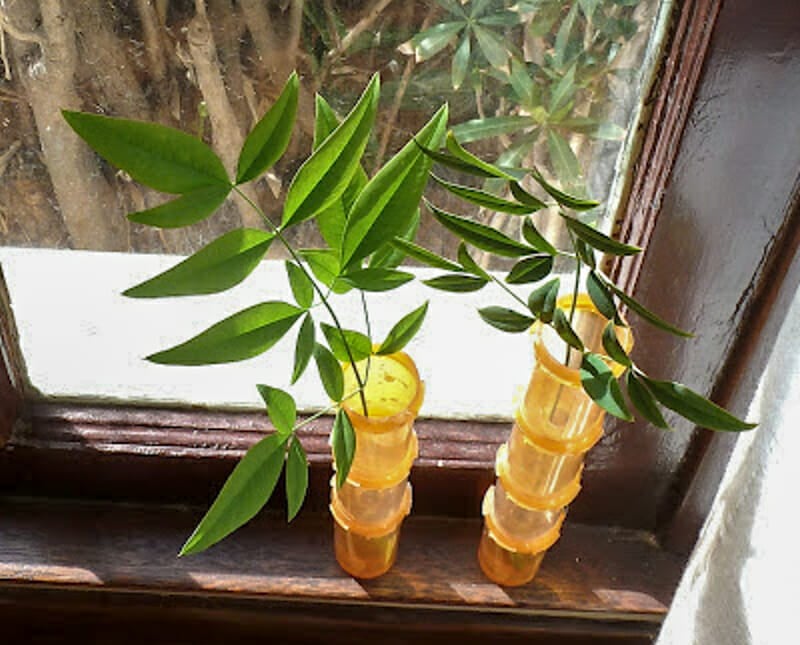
(68,546)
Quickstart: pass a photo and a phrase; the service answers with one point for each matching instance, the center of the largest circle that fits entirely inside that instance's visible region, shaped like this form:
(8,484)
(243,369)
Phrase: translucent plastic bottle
(370,506)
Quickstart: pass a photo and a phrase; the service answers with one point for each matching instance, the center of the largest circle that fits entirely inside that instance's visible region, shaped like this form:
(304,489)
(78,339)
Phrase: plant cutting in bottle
(534,261)
(357,217)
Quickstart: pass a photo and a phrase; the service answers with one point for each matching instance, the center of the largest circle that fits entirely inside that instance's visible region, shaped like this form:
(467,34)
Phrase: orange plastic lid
(577,446)
(527,500)
(393,390)
(536,545)
(349,523)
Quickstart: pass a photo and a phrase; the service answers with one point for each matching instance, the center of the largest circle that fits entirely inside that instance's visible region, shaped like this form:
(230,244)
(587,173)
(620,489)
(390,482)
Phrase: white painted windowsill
(82,340)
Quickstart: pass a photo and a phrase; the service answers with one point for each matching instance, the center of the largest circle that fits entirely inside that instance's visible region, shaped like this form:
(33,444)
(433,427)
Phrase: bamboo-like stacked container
(369,508)
(539,468)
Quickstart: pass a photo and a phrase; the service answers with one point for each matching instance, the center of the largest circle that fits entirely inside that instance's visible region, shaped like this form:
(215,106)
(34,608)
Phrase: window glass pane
(547,82)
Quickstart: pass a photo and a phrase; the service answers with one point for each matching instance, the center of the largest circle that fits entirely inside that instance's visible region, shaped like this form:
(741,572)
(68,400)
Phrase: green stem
(575,288)
(507,290)
(325,303)
(368,326)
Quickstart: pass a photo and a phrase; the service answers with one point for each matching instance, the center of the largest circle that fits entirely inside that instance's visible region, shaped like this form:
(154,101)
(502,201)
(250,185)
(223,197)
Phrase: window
(631,480)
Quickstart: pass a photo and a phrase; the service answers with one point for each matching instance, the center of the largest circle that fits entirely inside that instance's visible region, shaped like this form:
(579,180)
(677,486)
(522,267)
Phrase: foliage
(533,264)
(357,216)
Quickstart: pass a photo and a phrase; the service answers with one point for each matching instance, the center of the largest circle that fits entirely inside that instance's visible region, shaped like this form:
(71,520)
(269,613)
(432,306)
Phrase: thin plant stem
(325,303)
(507,290)
(575,287)
(368,326)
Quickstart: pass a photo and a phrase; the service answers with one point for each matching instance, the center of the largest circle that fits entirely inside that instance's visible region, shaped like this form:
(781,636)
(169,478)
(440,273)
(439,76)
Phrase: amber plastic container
(539,468)
(370,506)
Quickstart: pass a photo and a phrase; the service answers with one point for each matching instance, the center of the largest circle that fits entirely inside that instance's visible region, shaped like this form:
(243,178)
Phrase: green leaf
(565,163)
(218,266)
(325,121)
(598,240)
(324,264)
(479,235)
(697,409)
(521,81)
(455,149)
(563,92)
(469,265)
(644,401)
(523,196)
(302,287)
(389,201)
(593,128)
(424,255)
(456,282)
(563,36)
(245,492)
(460,62)
(389,256)
(588,7)
(484,199)
(491,126)
(343,440)
(612,345)
(542,301)
(377,279)
(304,347)
(565,331)
(241,336)
(269,139)
(431,41)
(492,46)
(154,155)
(281,408)
(325,175)
(648,315)
(189,208)
(570,201)
(296,478)
(403,331)
(535,238)
(530,269)
(330,372)
(599,383)
(506,319)
(600,296)
(359,344)
(454,162)
(584,252)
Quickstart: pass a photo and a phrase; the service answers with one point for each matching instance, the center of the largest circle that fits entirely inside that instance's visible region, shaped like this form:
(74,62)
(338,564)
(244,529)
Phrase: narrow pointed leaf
(245,492)
(565,163)
(570,201)
(456,283)
(530,269)
(389,201)
(377,279)
(241,336)
(492,47)
(535,239)
(455,149)
(190,208)
(461,61)
(612,345)
(599,383)
(154,155)
(505,319)
(325,175)
(601,297)
(484,199)
(389,256)
(565,331)
(281,408)
(343,441)
(431,41)
(300,283)
(644,402)
(324,264)
(563,92)
(296,479)
(359,344)
(424,255)
(542,300)
(330,372)
(598,240)
(479,235)
(694,407)
(325,121)
(454,162)
(487,127)
(584,252)
(218,266)
(468,263)
(304,347)
(403,331)
(523,196)
(269,139)
(648,315)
